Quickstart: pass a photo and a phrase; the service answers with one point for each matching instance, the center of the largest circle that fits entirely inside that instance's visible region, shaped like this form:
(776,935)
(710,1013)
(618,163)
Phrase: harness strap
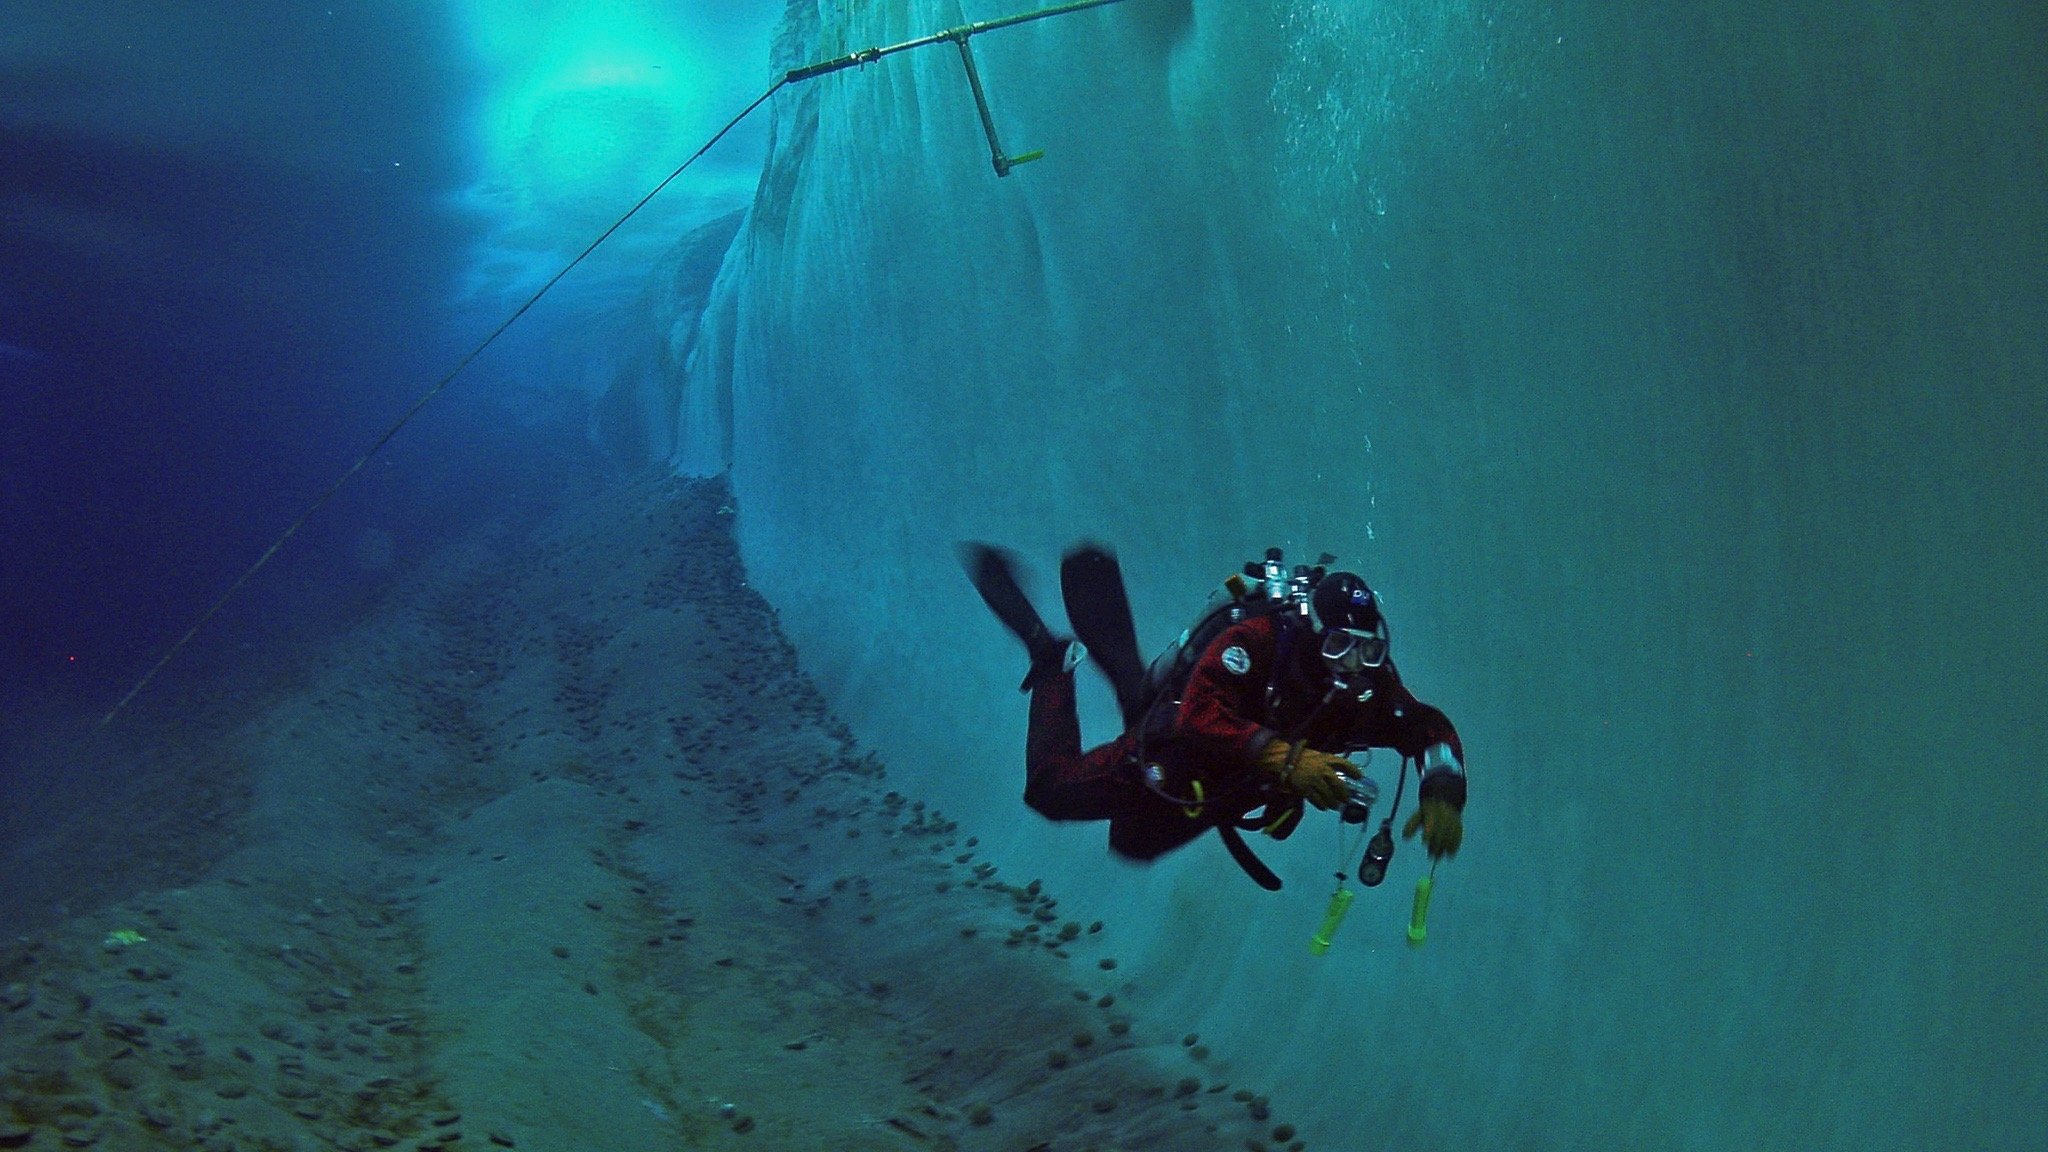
(1279,820)
(1241,852)
(1283,651)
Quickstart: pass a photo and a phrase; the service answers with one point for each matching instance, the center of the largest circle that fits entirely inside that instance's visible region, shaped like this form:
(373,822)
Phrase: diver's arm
(1217,708)
(1429,737)
(1424,734)
(1416,730)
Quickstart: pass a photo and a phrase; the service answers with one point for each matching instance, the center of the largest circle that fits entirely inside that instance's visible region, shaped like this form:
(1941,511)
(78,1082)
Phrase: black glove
(1441,815)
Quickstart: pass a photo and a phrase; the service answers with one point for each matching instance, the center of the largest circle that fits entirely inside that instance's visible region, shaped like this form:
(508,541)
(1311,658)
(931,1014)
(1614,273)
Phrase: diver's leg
(1060,781)
(994,571)
(1092,584)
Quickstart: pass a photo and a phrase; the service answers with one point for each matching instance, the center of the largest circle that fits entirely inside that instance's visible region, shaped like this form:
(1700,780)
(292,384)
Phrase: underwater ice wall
(1677,377)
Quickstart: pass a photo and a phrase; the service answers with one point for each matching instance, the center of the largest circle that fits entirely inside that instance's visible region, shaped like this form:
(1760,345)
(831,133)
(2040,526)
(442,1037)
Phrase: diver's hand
(1316,777)
(1441,815)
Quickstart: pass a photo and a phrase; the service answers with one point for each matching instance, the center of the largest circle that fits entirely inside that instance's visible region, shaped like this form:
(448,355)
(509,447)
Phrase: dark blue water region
(220,262)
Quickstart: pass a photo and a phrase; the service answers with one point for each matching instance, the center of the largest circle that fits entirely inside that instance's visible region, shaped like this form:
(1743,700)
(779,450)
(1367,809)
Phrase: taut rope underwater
(1003,164)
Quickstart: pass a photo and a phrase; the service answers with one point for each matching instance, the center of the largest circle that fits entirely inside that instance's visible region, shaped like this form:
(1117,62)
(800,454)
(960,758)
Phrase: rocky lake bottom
(559,850)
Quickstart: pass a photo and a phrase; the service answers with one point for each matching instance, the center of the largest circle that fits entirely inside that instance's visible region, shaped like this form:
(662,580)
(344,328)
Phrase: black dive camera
(1362,793)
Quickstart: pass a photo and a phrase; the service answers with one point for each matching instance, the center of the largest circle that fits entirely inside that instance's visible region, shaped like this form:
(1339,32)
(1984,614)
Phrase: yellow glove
(1316,777)
(1443,828)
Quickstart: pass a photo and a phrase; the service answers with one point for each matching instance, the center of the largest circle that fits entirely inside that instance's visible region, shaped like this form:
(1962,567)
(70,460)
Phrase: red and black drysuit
(1261,679)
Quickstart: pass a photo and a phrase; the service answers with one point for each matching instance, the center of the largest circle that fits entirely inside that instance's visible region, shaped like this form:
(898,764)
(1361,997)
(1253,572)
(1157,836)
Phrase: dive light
(1340,903)
(1418,918)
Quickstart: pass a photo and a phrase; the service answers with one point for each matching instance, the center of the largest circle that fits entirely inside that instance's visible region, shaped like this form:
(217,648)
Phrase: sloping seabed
(561,851)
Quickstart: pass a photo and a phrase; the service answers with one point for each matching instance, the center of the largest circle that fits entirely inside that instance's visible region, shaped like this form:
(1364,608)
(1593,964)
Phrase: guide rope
(425,399)
(1003,163)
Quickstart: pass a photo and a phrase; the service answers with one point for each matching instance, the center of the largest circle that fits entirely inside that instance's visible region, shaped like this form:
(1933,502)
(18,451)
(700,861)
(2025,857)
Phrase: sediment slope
(562,851)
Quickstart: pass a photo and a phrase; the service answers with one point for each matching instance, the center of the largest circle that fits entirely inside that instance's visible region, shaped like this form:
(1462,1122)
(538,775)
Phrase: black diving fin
(993,571)
(1092,583)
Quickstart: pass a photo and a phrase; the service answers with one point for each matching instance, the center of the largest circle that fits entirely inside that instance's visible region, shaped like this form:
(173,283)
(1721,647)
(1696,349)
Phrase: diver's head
(1348,624)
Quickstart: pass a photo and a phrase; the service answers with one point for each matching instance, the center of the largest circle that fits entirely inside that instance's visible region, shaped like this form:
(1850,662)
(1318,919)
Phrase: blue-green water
(1677,377)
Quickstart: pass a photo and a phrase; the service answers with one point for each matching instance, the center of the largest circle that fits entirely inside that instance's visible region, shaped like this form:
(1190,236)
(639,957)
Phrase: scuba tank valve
(1340,903)
(1271,574)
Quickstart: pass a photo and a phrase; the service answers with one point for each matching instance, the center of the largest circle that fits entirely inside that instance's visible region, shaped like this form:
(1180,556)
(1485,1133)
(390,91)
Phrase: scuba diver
(1249,715)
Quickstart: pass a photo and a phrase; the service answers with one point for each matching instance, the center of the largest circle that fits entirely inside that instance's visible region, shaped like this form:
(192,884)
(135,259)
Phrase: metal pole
(1042,13)
(988,121)
(868,55)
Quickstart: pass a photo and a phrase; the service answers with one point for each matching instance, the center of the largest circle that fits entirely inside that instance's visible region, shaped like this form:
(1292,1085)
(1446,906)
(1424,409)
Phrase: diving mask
(1353,650)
